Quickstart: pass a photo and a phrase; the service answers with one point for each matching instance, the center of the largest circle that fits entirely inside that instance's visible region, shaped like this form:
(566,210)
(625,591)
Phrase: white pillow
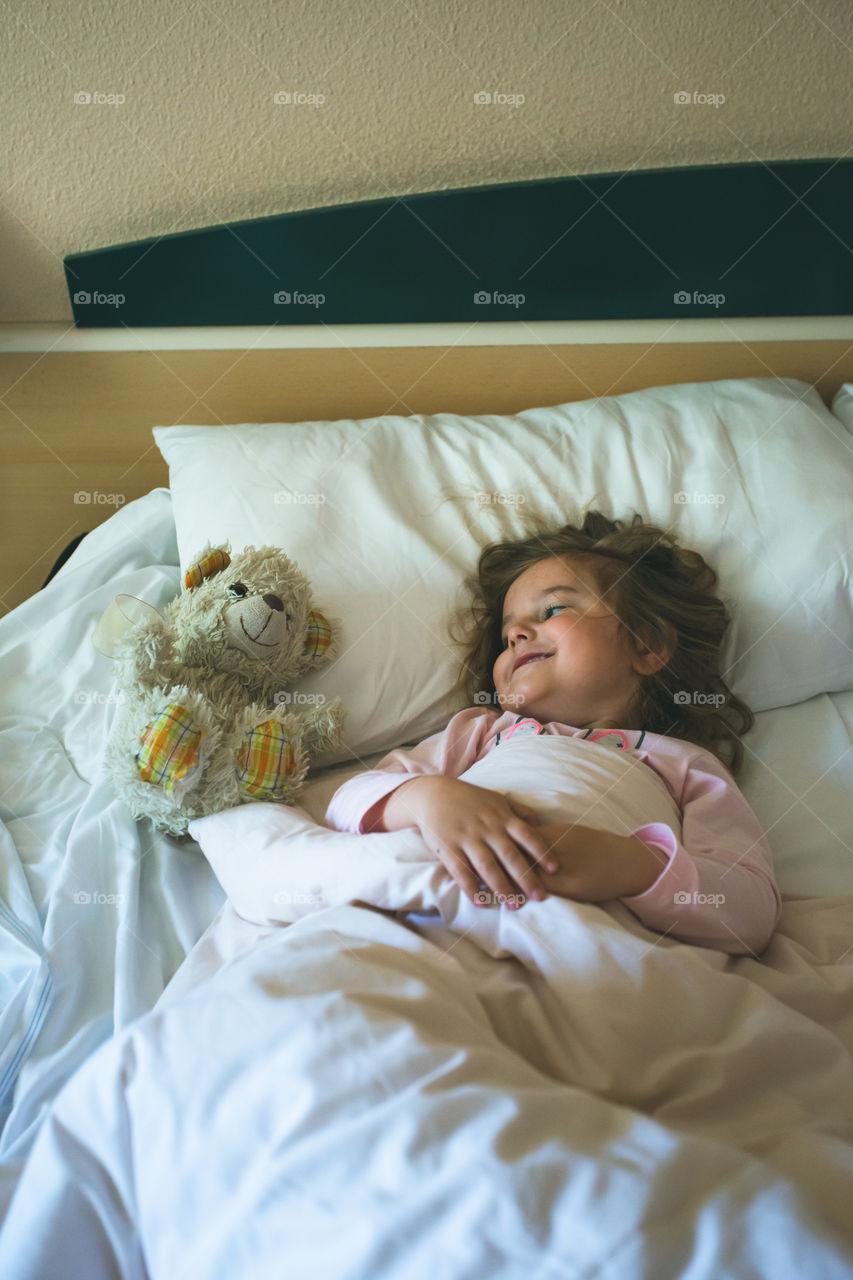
(387,515)
(842,405)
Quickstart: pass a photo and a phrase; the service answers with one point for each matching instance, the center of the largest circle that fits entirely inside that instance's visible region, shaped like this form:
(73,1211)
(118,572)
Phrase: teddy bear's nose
(273,602)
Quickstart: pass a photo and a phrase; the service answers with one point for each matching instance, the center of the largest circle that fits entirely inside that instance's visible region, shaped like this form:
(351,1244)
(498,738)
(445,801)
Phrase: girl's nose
(518,631)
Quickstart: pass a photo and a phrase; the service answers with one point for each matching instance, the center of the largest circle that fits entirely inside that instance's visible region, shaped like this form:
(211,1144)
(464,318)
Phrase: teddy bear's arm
(146,658)
(322,726)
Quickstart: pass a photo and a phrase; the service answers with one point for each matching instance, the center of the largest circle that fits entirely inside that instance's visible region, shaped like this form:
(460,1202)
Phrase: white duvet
(463,1092)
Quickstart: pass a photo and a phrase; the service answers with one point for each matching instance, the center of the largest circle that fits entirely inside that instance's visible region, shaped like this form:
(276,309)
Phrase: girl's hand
(597,866)
(480,836)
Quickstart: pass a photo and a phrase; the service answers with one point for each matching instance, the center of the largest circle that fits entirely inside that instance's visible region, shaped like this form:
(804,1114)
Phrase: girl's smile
(527,658)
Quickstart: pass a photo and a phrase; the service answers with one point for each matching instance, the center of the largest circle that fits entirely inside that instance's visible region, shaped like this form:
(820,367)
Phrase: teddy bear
(210,718)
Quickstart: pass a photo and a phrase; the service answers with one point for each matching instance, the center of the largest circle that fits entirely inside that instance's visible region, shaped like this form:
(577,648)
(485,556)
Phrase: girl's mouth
(526,662)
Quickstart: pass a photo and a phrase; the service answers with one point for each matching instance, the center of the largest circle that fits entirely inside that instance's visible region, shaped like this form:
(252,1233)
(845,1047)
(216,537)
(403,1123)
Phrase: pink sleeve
(450,752)
(717,888)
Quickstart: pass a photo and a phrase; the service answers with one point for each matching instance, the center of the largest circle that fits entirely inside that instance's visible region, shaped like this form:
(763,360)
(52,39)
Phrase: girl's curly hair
(663,597)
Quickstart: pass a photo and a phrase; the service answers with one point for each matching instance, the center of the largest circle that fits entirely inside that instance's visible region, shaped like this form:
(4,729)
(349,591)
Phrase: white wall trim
(58,337)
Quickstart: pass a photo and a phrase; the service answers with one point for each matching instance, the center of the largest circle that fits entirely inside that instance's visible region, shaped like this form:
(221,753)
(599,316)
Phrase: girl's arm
(358,803)
(718,887)
(713,888)
(479,835)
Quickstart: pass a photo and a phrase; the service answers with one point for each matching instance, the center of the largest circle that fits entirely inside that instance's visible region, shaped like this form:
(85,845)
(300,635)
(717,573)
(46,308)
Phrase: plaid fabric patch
(265,761)
(216,561)
(319,635)
(169,747)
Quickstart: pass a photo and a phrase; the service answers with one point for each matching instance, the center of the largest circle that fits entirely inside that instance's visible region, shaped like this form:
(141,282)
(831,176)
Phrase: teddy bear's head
(250,616)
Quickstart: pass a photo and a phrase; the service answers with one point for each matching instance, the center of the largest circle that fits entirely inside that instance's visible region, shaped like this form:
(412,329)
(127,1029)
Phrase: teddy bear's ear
(318,637)
(213,560)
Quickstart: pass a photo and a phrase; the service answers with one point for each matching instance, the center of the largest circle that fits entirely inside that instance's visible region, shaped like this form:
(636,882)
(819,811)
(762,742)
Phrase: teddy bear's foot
(269,758)
(158,754)
(174,744)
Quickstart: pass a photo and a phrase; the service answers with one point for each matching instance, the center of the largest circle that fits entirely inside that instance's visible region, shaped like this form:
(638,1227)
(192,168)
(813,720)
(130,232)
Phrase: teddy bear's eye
(238,589)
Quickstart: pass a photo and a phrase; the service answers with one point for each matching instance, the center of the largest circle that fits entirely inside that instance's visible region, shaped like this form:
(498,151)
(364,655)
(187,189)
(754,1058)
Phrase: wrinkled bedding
(555,1091)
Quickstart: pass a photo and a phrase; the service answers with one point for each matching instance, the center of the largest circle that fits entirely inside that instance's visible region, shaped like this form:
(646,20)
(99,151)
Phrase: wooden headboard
(78,407)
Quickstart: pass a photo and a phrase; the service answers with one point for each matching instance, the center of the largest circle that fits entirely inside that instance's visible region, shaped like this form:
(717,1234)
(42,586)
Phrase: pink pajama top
(718,888)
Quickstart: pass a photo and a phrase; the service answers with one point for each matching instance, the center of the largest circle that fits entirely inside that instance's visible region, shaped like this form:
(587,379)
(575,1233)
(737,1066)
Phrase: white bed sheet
(73,969)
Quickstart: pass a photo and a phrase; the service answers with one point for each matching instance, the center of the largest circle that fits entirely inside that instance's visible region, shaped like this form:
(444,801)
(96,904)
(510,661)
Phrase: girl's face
(585,668)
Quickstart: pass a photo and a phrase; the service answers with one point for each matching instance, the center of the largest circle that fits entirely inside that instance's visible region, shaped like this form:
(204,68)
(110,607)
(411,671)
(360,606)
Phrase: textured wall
(199,137)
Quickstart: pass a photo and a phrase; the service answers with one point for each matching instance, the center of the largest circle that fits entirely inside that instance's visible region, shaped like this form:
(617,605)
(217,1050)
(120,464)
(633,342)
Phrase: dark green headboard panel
(737,240)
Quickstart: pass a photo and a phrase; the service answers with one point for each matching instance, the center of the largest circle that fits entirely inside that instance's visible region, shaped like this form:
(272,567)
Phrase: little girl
(606,632)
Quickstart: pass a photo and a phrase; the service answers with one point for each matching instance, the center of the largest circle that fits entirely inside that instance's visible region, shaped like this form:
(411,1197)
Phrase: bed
(373,1082)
